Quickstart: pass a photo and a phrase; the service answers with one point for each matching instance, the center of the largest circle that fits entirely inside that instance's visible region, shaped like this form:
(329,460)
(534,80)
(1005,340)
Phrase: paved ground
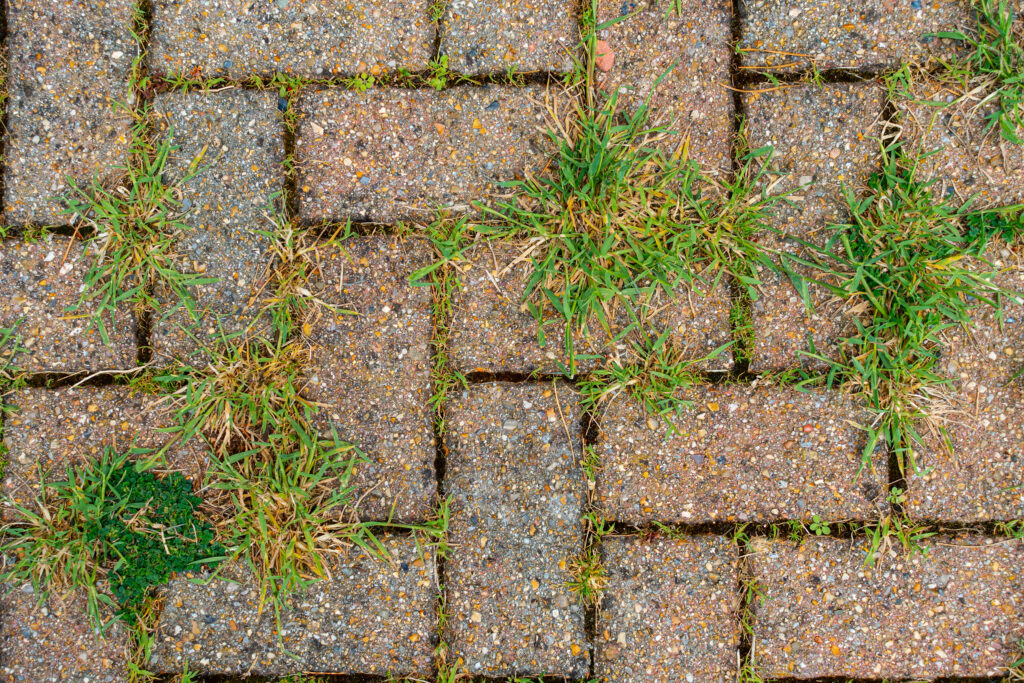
(689,593)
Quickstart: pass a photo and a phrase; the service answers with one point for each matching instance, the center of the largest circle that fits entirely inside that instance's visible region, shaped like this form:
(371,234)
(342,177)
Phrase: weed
(891,532)
(436,9)
(588,577)
(1015,672)
(114,520)
(438,73)
(591,463)
(896,496)
(360,82)
(819,526)
(741,322)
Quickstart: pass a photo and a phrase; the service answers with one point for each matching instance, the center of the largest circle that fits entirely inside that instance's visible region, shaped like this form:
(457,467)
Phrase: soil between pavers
(743,454)
(69,66)
(372,616)
(370,370)
(517,493)
(669,611)
(819,612)
(239,39)
(42,283)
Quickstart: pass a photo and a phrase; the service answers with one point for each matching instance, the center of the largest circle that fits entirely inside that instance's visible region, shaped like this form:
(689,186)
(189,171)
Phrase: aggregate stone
(69,66)
(241,38)
(981,477)
(492,36)
(741,453)
(371,370)
(966,161)
(236,138)
(56,641)
(41,280)
(669,611)
(517,494)
(48,431)
(783,35)
(393,154)
(372,615)
(492,330)
(825,140)
(688,44)
(959,611)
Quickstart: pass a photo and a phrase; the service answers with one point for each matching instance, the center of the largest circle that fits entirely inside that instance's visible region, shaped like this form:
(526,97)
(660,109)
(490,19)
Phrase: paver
(40,281)
(493,36)
(48,431)
(688,44)
(236,137)
(492,330)
(959,611)
(669,611)
(69,65)
(982,477)
(371,370)
(782,35)
(371,616)
(741,453)
(394,154)
(825,139)
(241,38)
(56,641)
(966,162)
(517,493)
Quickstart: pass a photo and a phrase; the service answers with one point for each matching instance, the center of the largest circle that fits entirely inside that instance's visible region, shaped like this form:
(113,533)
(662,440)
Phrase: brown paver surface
(494,36)
(740,454)
(42,282)
(517,493)
(372,616)
(394,154)
(957,612)
(68,66)
(669,612)
(371,370)
(240,39)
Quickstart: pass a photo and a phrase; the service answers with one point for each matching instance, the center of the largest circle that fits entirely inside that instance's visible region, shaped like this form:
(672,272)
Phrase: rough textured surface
(48,431)
(236,138)
(688,44)
(396,154)
(740,454)
(670,610)
(371,370)
(374,616)
(493,331)
(982,478)
(56,641)
(966,162)
(240,38)
(517,493)
(781,35)
(957,612)
(492,36)
(39,282)
(822,136)
(69,65)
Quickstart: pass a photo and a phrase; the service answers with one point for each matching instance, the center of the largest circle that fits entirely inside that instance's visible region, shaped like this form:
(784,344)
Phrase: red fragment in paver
(605,55)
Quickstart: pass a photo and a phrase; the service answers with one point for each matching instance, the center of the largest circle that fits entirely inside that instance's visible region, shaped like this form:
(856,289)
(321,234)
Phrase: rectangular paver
(825,139)
(822,613)
(237,139)
(688,45)
(782,35)
(669,611)
(370,370)
(241,38)
(69,64)
(492,330)
(393,154)
(740,454)
(47,431)
(517,494)
(372,616)
(981,477)
(56,642)
(40,281)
